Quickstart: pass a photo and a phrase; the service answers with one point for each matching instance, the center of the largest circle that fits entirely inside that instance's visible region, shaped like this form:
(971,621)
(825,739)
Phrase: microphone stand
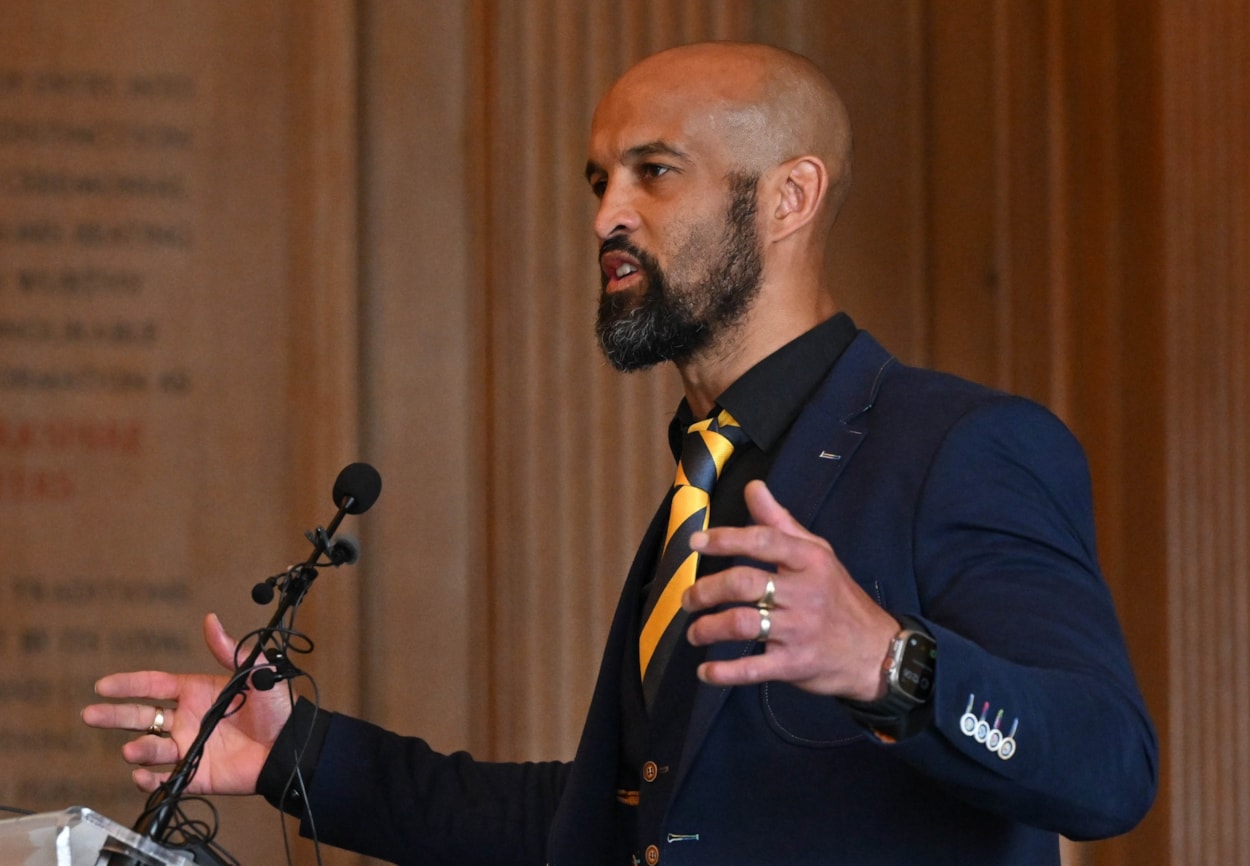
(154,822)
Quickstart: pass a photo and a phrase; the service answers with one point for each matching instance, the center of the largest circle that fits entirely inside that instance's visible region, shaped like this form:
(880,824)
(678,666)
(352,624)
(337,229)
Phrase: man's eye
(598,187)
(653,170)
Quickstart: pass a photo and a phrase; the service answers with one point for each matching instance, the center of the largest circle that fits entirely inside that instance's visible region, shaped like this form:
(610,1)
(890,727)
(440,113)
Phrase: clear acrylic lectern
(75,837)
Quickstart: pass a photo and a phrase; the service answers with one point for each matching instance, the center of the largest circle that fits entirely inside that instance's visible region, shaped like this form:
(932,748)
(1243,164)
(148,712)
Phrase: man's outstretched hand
(235,752)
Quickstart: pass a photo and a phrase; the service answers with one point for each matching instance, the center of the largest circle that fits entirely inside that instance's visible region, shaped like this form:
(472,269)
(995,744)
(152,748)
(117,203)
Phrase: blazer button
(652,855)
(650,771)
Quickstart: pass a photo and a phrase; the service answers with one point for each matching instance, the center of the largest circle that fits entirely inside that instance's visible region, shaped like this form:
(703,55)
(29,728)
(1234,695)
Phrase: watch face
(914,671)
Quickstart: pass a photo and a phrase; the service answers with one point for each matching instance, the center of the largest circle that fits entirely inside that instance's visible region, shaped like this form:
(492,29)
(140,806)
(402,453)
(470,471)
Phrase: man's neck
(763,331)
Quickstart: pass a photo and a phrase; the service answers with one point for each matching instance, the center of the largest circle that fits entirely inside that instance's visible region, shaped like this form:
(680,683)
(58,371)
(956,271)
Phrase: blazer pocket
(805,719)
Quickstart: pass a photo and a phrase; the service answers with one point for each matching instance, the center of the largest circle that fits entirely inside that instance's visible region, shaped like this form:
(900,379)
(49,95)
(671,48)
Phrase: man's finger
(126,717)
(767,511)
(220,644)
(150,751)
(737,584)
(734,624)
(761,543)
(745,671)
(146,780)
(143,685)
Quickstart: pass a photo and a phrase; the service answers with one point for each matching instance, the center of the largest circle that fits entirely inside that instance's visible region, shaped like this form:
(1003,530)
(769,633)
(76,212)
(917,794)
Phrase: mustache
(621,244)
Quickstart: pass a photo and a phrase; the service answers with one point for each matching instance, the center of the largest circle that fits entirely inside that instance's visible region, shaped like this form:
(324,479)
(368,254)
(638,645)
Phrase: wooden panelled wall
(1051,198)
(1205,197)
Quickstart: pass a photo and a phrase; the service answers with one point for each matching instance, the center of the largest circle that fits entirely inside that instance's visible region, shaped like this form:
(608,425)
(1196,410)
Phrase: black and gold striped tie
(704,452)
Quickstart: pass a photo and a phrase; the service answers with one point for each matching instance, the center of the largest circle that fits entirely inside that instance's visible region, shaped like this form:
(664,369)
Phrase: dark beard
(673,323)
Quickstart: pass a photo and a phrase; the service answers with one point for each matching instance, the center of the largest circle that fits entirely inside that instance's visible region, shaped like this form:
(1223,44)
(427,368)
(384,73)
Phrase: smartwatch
(908,671)
(909,668)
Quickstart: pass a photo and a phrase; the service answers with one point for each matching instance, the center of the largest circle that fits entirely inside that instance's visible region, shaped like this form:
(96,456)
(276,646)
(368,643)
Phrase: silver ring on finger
(766,624)
(158,723)
(768,600)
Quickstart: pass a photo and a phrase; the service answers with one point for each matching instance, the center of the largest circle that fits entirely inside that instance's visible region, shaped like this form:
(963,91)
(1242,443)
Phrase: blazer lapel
(816,451)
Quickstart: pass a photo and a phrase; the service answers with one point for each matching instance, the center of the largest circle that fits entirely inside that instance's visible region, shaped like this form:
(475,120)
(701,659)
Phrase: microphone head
(262,593)
(360,483)
(264,679)
(344,551)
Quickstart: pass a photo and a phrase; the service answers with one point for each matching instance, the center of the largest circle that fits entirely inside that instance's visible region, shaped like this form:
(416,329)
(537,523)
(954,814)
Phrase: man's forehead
(628,124)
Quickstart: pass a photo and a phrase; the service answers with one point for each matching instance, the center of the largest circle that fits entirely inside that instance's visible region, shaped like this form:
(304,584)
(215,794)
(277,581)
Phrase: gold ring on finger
(158,723)
(768,600)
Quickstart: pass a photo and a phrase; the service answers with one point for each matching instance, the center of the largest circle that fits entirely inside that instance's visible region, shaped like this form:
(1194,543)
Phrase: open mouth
(618,269)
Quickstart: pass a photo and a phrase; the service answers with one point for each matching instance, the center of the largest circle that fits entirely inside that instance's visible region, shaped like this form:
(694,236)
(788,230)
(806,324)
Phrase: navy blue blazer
(962,506)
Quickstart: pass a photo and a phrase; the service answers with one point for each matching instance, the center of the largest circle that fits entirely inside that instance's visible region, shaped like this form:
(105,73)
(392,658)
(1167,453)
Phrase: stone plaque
(146,365)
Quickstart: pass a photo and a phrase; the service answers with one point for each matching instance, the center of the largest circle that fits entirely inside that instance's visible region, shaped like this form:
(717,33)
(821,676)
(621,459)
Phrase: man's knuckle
(746,621)
(741,579)
(760,539)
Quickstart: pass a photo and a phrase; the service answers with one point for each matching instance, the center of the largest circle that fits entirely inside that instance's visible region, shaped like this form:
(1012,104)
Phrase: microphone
(264,679)
(357,488)
(280,668)
(344,551)
(262,593)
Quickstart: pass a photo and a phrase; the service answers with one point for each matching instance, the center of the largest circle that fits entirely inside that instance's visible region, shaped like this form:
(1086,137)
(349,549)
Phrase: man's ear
(793,195)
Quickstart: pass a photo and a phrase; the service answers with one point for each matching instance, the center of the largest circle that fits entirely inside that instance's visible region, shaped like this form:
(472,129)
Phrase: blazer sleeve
(1029,645)
(393,797)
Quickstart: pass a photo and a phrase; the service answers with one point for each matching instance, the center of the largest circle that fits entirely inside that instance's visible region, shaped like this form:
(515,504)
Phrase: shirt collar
(767,398)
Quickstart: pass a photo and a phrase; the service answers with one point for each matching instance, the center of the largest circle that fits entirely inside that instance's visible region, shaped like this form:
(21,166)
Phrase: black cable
(297,778)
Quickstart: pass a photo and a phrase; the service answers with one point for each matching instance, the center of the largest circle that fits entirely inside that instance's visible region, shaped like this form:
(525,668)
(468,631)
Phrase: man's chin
(631,346)
(626,349)
(623,350)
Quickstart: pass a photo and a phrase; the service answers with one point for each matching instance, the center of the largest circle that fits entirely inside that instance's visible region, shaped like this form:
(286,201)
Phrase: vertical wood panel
(1044,247)
(323,307)
(964,290)
(1207,185)
(875,54)
(422,608)
(322,358)
(1113,366)
(1027,163)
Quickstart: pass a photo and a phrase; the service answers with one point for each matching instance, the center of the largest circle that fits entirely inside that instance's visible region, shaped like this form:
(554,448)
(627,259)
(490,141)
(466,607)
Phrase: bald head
(719,169)
(765,104)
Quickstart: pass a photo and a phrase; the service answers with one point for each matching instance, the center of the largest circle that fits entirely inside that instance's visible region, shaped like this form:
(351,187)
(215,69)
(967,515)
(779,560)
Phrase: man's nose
(617,213)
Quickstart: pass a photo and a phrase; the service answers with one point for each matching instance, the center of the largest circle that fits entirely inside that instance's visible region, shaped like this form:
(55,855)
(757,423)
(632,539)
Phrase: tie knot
(707,448)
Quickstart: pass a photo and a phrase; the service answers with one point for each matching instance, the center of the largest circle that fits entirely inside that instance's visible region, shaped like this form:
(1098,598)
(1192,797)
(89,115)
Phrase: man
(899,648)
